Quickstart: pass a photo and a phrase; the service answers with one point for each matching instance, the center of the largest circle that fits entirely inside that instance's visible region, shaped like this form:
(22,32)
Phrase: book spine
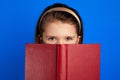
(62,62)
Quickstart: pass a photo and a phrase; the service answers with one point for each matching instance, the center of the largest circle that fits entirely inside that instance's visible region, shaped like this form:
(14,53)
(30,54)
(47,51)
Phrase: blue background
(18,18)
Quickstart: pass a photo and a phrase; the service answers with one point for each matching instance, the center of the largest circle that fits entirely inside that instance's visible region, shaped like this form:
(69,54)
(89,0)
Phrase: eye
(51,38)
(69,38)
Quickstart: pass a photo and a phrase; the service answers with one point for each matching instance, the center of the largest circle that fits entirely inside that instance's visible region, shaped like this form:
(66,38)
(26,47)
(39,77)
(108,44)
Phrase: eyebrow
(50,36)
(70,36)
(57,36)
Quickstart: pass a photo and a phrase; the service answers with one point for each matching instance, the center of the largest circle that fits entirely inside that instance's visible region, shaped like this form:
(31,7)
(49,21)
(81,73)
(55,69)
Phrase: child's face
(60,33)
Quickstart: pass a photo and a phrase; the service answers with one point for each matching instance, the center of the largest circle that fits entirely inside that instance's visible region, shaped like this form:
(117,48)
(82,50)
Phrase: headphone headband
(65,10)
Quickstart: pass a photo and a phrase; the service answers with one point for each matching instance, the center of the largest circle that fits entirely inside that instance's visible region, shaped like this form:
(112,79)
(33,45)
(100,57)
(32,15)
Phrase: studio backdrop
(18,19)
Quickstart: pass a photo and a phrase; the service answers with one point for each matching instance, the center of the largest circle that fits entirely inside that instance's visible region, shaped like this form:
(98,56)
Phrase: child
(59,24)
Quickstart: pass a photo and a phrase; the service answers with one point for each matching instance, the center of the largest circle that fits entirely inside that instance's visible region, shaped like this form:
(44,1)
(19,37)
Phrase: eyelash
(69,38)
(51,38)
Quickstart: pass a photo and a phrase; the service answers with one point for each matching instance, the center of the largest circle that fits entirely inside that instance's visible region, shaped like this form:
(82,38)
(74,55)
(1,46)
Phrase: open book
(62,62)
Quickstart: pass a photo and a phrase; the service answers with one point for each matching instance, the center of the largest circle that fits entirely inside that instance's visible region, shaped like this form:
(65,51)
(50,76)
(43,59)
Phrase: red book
(62,62)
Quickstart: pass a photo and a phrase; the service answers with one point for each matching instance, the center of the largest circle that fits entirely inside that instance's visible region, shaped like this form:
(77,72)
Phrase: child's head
(59,24)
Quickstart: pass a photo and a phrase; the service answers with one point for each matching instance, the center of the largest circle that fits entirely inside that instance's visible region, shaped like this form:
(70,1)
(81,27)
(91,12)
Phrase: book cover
(62,62)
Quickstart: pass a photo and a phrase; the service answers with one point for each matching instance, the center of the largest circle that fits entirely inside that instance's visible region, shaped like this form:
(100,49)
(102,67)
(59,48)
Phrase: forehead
(59,28)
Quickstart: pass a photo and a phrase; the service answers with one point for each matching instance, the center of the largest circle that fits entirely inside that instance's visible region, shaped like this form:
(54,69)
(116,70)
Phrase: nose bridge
(60,41)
